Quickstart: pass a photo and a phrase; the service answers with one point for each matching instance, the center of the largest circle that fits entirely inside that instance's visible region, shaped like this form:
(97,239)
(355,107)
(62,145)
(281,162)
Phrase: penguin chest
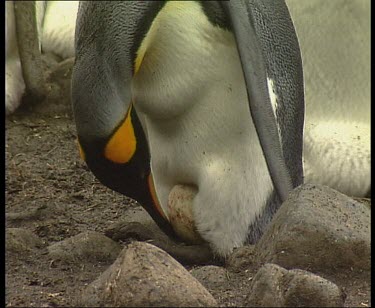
(190,95)
(204,139)
(178,60)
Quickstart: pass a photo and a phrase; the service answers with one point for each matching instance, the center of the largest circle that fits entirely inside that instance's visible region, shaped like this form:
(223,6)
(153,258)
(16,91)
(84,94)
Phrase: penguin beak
(110,135)
(254,69)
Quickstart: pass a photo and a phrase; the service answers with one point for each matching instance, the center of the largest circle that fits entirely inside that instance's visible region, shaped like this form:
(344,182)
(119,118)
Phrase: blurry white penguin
(335,44)
(160,94)
(56,27)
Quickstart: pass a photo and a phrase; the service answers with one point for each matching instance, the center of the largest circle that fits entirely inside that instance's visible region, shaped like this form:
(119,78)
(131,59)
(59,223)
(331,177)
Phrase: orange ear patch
(121,147)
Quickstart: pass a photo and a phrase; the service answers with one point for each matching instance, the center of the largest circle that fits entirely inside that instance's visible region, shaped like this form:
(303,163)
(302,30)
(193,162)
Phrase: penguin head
(108,43)
(110,136)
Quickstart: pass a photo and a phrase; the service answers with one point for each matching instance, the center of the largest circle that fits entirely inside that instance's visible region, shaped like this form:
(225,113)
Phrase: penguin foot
(185,254)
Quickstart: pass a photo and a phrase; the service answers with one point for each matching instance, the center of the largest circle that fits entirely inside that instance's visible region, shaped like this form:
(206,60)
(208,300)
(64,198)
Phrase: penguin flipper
(254,69)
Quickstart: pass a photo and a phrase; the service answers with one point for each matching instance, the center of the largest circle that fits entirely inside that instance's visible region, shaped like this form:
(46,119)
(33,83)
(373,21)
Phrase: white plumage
(335,44)
(191,97)
(14,84)
(56,35)
(59,27)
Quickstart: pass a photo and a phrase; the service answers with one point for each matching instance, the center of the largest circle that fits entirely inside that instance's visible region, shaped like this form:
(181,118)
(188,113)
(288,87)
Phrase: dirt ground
(50,192)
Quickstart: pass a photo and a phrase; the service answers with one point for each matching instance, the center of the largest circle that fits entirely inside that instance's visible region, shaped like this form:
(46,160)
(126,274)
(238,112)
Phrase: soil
(51,192)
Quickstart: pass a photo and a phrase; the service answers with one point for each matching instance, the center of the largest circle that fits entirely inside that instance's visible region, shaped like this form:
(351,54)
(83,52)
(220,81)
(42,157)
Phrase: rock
(138,225)
(274,286)
(144,275)
(318,229)
(265,288)
(241,259)
(87,246)
(211,276)
(308,290)
(19,240)
(365,201)
(28,214)
(119,230)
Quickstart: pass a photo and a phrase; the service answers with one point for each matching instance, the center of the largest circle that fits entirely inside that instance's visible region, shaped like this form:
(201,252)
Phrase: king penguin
(335,38)
(161,93)
(55,26)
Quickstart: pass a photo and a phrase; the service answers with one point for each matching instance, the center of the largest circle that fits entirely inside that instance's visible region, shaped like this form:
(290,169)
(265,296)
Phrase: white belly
(59,27)
(337,154)
(334,37)
(192,100)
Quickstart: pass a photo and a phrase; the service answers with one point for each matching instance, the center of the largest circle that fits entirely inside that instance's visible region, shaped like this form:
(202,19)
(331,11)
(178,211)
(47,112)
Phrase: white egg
(180,213)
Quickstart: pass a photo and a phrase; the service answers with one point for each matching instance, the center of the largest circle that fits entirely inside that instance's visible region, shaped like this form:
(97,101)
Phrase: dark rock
(87,246)
(20,240)
(320,230)
(241,259)
(274,286)
(211,276)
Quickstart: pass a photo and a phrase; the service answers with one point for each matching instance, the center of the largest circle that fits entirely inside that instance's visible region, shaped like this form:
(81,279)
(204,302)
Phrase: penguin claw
(186,254)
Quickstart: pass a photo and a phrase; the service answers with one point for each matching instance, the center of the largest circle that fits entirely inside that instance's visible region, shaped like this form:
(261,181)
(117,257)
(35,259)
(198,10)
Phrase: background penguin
(170,73)
(14,84)
(335,44)
(59,28)
(56,27)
